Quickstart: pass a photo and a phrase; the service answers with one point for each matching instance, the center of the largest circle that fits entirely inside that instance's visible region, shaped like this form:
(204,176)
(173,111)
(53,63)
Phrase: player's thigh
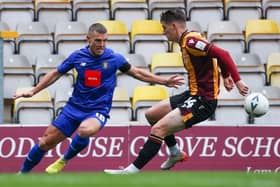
(89,127)
(92,125)
(169,124)
(159,110)
(51,137)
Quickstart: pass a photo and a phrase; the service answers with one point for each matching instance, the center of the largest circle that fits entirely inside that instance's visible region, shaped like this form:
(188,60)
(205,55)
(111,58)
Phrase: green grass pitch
(143,179)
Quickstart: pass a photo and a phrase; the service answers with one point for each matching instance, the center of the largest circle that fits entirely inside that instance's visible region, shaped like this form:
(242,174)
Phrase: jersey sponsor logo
(92,78)
(200,45)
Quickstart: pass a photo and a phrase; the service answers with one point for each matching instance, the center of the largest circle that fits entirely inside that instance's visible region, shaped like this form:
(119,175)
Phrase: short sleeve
(125,67)
(66,65)
(196,44)
(121,60)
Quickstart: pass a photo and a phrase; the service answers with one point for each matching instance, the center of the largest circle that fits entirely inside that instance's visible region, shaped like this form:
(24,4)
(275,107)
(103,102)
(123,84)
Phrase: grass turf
(144,179)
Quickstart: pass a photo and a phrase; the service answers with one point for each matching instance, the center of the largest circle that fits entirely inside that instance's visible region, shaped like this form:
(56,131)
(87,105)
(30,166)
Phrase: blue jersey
(96,79)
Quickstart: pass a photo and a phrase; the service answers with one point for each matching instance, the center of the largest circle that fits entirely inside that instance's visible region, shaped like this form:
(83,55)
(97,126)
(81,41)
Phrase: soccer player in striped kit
(202,60)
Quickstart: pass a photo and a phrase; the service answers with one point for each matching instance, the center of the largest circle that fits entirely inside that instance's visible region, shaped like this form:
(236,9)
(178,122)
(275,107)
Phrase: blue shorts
(70,118)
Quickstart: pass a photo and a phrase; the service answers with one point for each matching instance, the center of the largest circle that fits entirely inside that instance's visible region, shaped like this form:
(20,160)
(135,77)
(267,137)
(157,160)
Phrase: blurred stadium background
(36,35)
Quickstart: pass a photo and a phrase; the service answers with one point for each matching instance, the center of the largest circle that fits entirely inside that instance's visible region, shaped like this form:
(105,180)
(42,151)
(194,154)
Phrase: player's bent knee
(87,132)
(45,145)
(158,131)
(150,118)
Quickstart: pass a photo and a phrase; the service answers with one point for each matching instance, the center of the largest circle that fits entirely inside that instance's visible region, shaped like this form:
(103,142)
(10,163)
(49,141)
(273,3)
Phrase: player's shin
(77,145)
(150,149)
(33,158)
(171,144)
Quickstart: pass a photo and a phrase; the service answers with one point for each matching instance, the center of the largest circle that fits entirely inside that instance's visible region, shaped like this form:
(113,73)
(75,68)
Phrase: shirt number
(100,117)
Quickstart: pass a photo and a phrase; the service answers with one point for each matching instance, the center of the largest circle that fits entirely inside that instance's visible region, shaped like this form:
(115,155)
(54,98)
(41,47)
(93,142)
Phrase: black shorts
(194,109)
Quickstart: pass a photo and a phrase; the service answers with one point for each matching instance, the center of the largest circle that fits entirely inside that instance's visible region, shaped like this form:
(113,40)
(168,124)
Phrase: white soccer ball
(256,104)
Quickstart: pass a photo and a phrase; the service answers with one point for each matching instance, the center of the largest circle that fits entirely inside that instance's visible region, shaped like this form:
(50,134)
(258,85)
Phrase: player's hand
(25,94)
(175,81)
(228,83)
(242,87)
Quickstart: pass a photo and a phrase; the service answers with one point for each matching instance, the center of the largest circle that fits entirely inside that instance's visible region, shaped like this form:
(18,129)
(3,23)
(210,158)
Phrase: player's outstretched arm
(228,83)
(175,81)
(25,94)
(146,76)
(47,80)
(242,87)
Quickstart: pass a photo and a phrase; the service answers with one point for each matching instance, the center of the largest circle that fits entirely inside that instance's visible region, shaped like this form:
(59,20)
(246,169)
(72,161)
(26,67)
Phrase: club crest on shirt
(105,65)
(191,41)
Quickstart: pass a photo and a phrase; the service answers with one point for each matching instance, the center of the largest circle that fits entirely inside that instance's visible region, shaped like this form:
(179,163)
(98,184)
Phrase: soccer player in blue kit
(88,108)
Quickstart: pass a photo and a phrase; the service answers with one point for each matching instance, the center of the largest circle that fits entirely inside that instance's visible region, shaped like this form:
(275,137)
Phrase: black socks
(150,149)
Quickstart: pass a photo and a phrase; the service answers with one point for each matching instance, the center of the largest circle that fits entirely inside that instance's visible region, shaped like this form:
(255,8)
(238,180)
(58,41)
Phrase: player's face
(169,31)
(97,42)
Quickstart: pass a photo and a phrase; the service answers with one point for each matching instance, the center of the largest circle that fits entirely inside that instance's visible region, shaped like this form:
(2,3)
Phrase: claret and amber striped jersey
(203,60)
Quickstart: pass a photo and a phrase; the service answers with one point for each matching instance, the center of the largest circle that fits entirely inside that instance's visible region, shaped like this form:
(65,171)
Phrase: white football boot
(173,159)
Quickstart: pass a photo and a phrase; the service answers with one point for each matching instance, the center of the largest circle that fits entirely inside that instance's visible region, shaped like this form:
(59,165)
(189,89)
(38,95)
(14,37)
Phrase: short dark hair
(172,15)
(97,27)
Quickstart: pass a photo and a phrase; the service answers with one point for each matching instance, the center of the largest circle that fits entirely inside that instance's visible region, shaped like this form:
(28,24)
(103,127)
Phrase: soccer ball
(256,104)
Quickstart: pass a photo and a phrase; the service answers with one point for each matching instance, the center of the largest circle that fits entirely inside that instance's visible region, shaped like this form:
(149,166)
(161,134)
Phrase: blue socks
(34,156)
(78,144)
